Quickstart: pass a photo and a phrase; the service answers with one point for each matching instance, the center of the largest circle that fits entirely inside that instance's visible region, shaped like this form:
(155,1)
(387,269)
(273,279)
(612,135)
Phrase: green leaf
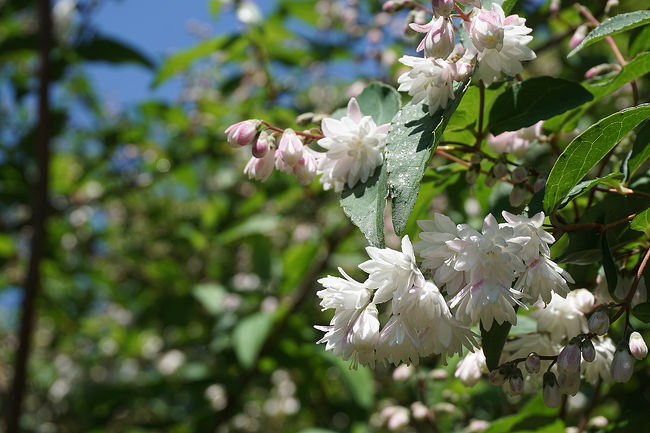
(412,139)
(211,296)
(641,222)
(608,264)
(493,342)
(105,49)
(536,204)
(365,204)
(540,98)
(612,26)
(586,150)
(640,151)
(611,179)
(249,336)
(316,430)
(360,382)
(639,42)
(508,5)
(296,261)
(642,312)
(180,61)
(379,101)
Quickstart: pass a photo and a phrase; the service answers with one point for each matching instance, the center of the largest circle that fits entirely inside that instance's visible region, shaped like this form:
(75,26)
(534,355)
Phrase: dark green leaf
(608,264)
(612,26)
(493,342)
(412,139)
(105,49)
(359,381)
(508,5)
(639,42)
(642,312)
(584,152)
(536,204)
(637,67)
(540,98)
(640,150)
(641,222)
(16,44)
(249,335)
(365,205)
(379,101)
(611,179)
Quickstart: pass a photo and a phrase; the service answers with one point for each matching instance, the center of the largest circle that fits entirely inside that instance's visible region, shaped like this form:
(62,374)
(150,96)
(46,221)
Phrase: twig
(626,192)
(598,226)
(304,134)
(32,283)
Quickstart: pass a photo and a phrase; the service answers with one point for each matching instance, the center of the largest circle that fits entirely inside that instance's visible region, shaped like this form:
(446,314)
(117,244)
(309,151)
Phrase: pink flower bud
(502,143)
(389,6)
(500,169)
(638,348)
(260,168)
(554,7)
(598,323)
(305,169)
(578,36)
(439,40)
(261,146)
(403,373)
(533,363)
(569,382)
(539,184)
(515,384)
(601,69)
(551,390)
(486,30)
(419,410)
(289,151)
(569,359)
(242,133)
(463,70)
(588,351)
(443,7)
(622,366)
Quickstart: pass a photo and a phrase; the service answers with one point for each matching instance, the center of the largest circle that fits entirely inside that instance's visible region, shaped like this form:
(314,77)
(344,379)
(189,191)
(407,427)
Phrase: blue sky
(156,27)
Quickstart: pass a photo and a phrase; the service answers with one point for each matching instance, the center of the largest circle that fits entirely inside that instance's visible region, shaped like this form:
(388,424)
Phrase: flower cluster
(419,324)
(515,142)
(354,147)
(487,273)
(497,45)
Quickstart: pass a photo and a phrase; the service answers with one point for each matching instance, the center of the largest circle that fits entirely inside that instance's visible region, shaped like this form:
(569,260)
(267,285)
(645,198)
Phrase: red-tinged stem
(481,108)
(423,8)
(627,191)
(462,14)
(304,134)
(597,226)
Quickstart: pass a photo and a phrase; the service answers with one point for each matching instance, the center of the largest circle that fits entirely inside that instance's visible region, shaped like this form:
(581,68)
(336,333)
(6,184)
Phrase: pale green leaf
(249,336)
(379,101)
(641,222)
(210,295)
(612,26)
(360,381)
(586,150)
(640,150)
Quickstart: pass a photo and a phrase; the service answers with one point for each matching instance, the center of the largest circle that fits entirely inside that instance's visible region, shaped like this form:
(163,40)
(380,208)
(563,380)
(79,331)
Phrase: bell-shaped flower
(398,342)
(343,293)
(599,367)
(242,133)
(542,278)
(439,40)
(470,369)
(560,318)
(260,168)
(290,149)
(305,170)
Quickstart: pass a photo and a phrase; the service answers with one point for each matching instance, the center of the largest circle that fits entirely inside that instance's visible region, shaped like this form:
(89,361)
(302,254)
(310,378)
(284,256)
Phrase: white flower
(439,41)
(582,299)
(289,151)
(470,369)
(391,272)
(540,239)
(344,293)
(501,43)
(623,284)
(542,278)
(354,147)
(305,169)
(249,13)
(260,168)
(525,344)
(362,340)
(515,142)
(398,343)
(599,367)
(431,79)
(64,15)
(491,264)
(560,318)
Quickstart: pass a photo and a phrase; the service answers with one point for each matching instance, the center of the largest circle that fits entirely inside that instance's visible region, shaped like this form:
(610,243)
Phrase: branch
(32,283)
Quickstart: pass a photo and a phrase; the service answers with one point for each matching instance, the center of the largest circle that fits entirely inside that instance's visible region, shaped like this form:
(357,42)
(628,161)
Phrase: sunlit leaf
(612,26)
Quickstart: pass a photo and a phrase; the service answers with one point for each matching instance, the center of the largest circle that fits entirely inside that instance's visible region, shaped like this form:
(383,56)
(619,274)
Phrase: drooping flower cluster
(515,142)
(420,322)
(497,45)
(487,273)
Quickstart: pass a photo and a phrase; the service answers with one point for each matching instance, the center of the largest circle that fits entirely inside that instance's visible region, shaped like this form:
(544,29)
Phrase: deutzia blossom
(289,151)
(398,342)
(542,278)
(531,227)
(354,147)
(515,142)
(501,43)
(439,40)
(344,293)
(430,79)
(260,168)
(470,369)
(490,262)
(599,367)
(560,318)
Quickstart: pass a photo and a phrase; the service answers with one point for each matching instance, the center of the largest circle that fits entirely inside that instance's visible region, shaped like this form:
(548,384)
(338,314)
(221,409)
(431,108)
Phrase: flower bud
(638,348)
(500,169)
(601,69)
(403,373)
(588,350)
(289,151)
(439,40)
(519,174)
(260,168)
(497,377)
(471,175)
(443,7)
(389,6)
(583,300)
(463,70)
(305,169)
(476,159)
(610,5)
(569,382)
(551,390)
(554,7)
(568,361)
(533,363)
(305,118)
(486,30)
(517,196)
(622,366)
(539,184)
(578,36)
(419,410)
(598,323)
(242,133)
(490,179)
(515,384)
(261,146)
